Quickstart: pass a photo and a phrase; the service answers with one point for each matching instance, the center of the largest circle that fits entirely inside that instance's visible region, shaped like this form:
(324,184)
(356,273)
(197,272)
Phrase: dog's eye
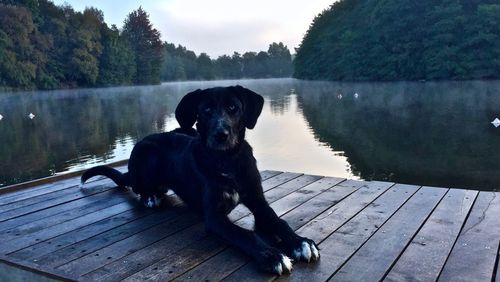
(231,109)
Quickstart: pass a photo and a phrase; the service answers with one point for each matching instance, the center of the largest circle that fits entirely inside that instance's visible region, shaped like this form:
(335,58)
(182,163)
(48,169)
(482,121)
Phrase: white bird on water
(1,117)
(496,122)
(31,116)
(356,95)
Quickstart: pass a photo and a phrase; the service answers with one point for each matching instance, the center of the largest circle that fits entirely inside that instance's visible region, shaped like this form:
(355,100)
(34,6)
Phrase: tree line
(45,46)
(402,40)
(183,64)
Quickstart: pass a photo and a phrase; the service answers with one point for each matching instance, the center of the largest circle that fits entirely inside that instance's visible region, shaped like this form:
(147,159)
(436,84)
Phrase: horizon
(218,27)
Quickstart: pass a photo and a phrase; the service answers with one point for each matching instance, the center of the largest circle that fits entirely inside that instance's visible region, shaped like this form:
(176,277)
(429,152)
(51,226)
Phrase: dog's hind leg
(145,173)
(160,196)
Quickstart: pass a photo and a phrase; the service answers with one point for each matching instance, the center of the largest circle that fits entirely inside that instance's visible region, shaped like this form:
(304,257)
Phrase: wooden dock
(366,231)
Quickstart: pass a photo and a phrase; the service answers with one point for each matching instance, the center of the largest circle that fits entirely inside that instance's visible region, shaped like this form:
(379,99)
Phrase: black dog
(213,170)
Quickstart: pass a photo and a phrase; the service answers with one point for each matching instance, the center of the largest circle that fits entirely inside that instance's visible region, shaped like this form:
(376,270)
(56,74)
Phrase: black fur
(207,168)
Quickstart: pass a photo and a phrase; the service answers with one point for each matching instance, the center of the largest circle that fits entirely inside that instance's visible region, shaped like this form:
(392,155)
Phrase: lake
(432,133)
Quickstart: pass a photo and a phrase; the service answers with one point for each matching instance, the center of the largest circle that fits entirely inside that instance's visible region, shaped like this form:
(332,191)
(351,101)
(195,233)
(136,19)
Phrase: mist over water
(437,133)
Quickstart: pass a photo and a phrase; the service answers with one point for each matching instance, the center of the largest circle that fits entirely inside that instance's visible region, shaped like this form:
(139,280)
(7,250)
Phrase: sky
(218,27)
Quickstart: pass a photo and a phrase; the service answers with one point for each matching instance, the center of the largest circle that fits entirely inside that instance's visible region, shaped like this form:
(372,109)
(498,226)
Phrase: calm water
(436,133)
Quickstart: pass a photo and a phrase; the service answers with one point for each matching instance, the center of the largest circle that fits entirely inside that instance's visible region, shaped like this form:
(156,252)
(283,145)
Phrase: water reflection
(422,133)
(75,129)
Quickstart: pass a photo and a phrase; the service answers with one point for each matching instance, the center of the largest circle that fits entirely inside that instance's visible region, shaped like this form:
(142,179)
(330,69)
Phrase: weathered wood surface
(366,231)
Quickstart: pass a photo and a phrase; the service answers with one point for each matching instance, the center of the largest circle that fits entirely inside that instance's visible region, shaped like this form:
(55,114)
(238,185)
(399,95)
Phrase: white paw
(315,252)
(149,203)
(306,252)
(80,186)
(284,266)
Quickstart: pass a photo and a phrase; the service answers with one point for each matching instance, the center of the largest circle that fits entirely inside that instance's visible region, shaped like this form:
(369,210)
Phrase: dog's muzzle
(222,139)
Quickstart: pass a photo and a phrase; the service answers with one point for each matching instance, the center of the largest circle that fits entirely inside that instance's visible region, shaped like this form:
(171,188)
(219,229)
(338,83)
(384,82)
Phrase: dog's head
(221,114)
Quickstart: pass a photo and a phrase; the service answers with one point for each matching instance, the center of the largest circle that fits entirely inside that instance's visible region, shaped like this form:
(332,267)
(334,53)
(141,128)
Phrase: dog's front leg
(269,225)
(268,257)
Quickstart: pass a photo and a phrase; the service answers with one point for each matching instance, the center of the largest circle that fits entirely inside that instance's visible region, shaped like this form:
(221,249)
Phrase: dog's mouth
(220,142)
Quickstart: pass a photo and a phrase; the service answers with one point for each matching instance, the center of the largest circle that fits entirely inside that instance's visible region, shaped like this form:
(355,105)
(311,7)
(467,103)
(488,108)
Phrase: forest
(358,40)
(45,46)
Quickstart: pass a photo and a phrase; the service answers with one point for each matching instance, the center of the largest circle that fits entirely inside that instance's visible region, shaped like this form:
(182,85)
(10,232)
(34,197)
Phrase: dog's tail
(121,179)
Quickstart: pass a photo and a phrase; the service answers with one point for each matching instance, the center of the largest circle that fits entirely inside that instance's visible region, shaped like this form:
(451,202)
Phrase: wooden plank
(48,196)
(49,187)
(477,244)
(183,259)
(266,174)
(358,240)
(72,206)
(273,193)
(287,202)
(279,180)
(114,253)
(136,261)
(80,234)
(339,246)
(328,221)
(289,187)
(41,190)
(375,189)
(61,210)
(304,194)
(15,271)
(42,235)
(319,204)
(74,182)
(343,242)
(174,216)
(147,258)
(77,194)
(424,258)
(213,270)
(373,260)
(109,198)
(50,180)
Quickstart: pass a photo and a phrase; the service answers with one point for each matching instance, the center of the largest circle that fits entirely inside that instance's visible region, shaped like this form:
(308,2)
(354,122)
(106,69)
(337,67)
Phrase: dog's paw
(152,201)
(275,262)
(284,265)
(149,202)
(306,251)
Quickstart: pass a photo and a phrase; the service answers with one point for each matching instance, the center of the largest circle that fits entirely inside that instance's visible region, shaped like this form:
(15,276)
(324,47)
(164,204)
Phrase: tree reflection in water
(434,133)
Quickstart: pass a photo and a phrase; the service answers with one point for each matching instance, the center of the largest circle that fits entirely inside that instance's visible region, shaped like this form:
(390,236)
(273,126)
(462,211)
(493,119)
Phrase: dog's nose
(221,136)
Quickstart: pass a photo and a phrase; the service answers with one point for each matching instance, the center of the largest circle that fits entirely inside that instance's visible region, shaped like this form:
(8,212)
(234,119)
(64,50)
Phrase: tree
(145,42)
(229,66)
(402,40)
(205,67)
(17,67)
(172,67)
(117,60)
(280,60)
(85,39)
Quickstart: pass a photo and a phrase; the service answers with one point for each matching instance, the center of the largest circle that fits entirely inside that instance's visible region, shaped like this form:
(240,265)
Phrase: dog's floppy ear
(186,111)
(253,104)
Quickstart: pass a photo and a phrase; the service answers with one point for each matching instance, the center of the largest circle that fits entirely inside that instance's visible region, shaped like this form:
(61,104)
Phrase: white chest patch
(233,196)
